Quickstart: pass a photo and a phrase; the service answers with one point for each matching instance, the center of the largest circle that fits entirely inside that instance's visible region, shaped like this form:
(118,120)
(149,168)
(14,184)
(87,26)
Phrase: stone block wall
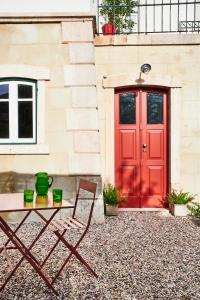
(60,55)
(82,116)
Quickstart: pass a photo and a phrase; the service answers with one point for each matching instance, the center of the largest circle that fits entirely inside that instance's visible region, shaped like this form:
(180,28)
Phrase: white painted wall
(31,6)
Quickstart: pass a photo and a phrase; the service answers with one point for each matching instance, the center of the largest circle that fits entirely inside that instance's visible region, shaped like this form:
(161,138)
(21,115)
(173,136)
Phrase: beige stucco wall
(66,51)
(175,64)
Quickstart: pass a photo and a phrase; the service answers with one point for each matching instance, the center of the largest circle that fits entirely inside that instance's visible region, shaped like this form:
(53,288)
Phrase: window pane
(25,91)
(25,119)
(4,91)
(127,108)
(154,109)
(4,120)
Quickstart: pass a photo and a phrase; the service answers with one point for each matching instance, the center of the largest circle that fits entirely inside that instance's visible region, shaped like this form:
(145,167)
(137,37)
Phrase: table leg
(7,229)
(26,251)
(7,258)
(15,231)
(25,255)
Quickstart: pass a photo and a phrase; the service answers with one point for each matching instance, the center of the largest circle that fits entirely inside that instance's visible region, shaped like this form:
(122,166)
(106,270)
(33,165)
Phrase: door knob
(144,146)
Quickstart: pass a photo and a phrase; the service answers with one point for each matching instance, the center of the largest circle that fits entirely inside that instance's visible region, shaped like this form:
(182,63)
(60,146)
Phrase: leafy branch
(119,13)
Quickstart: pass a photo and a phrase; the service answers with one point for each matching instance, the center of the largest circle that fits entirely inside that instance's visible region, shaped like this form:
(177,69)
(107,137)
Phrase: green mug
(57,195)
(28,195)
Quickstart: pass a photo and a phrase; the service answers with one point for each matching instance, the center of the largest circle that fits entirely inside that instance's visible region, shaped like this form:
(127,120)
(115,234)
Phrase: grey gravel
(136,255)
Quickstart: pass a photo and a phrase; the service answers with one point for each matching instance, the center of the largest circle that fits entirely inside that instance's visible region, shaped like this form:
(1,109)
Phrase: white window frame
(13,101)
(41,75)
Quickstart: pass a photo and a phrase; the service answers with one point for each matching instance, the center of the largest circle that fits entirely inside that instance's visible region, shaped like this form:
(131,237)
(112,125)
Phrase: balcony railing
(155,16)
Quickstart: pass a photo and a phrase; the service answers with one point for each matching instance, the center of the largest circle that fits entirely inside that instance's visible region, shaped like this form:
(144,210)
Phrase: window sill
(24,149)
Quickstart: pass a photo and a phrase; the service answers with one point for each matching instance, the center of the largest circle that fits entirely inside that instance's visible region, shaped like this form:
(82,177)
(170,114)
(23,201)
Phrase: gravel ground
(136,255)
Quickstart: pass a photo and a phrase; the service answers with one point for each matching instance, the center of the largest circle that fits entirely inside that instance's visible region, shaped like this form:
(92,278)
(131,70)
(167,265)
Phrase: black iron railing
(149,16)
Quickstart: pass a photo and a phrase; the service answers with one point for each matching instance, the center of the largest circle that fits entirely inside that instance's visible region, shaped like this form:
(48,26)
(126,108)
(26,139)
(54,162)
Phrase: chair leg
(50,252)
(76,253)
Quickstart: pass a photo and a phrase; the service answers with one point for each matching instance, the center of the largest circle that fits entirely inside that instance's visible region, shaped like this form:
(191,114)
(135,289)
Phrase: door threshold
(163,211)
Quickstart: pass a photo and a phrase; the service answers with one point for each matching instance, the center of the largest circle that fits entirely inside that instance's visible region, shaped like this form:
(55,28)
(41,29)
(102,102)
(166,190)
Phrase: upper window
(17,111)
(154,109)
(127,108)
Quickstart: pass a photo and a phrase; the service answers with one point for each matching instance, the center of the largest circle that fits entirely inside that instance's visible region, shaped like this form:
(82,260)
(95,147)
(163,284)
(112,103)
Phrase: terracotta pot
(108,28)
(111,210)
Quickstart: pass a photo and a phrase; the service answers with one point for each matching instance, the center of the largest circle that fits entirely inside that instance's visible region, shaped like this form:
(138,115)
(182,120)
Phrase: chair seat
(67,223)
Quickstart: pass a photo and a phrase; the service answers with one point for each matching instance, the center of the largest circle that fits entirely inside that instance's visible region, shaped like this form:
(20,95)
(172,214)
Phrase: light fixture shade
(145,68)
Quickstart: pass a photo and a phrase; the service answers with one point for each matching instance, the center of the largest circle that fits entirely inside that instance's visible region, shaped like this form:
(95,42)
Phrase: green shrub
(194,209)
(175,197)
(111,195)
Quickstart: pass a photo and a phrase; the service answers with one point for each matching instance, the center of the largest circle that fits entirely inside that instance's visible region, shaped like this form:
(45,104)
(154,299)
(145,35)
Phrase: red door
(141,147)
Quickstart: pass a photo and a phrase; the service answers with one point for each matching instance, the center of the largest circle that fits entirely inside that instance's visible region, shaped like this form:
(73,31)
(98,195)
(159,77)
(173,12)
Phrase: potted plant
(117,15)
(194,209)
(112,199)
(178,201)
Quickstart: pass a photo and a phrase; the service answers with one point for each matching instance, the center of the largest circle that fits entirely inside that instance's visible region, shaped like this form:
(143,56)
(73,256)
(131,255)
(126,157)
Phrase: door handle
(144,146)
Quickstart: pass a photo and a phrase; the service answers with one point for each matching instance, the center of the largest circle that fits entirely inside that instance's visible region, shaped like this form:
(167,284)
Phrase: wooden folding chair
(60,227)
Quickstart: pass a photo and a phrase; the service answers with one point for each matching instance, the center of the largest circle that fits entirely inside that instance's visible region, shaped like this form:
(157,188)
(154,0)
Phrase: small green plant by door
(178,201)
(112,199)
(175,197)
(111,195)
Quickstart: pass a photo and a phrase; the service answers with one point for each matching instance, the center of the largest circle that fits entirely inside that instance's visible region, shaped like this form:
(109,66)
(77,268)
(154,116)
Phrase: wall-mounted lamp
(145,68)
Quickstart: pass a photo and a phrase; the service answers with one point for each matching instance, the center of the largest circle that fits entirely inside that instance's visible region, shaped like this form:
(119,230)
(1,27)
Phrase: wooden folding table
(12,203)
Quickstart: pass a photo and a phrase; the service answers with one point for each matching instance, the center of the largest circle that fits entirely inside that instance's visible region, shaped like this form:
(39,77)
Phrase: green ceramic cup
(57,195)
(28,195)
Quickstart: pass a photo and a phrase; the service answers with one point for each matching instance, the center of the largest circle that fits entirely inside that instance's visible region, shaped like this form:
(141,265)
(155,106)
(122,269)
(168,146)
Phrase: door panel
(128,143)
(155,144)
(128,177)
(153,184)
(156,179)
(141,147)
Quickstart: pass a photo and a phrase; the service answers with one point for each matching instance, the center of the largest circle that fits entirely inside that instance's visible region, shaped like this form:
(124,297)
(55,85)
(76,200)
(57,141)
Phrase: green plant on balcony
(119,13)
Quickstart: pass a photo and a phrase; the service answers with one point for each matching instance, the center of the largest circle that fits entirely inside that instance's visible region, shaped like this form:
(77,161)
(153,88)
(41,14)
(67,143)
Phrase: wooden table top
(15,202)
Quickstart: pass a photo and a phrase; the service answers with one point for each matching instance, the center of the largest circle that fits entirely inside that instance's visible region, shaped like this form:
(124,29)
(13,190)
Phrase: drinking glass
(28,195)
(57,195)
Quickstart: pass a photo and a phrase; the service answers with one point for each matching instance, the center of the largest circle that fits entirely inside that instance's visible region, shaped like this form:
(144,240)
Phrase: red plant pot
(108,29)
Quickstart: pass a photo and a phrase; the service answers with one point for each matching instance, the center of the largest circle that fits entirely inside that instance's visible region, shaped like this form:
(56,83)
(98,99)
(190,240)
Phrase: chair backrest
(89,187)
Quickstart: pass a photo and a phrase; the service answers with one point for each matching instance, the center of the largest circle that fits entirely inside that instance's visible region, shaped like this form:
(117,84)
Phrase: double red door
(141,147)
